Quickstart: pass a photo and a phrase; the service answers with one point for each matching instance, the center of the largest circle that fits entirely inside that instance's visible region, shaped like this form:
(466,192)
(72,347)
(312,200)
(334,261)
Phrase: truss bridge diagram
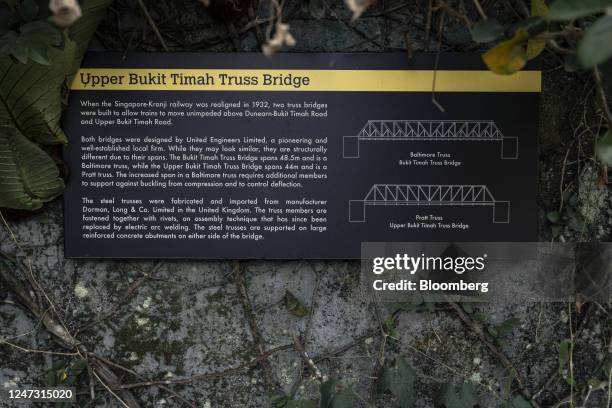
(429,195)
(430,130)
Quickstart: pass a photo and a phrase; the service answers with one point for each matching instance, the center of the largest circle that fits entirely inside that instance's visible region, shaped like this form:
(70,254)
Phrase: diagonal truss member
(424,195)
(427,130)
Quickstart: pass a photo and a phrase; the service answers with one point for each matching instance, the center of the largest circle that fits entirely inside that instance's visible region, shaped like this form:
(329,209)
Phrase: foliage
(64,374)
(502,331)
(487,30)
(295,306)
(604,148)
(31,104)
(458,396)
(285,401)
(399,378)
(26,33)
(564,351)
(530,36)
(509,56)
(571,9)
(335,396)
(517,402)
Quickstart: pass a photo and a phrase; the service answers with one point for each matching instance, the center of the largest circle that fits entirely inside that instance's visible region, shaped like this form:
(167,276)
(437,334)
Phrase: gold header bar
(113,79)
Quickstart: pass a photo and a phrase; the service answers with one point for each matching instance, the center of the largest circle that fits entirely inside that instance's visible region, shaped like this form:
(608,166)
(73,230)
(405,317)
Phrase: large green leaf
(464,396)
(604,148)
(517,402)
(487,30)
(28,176)
(30,95)
(570,9)
(30,110)
(399,378)
(332,397)
(596,47)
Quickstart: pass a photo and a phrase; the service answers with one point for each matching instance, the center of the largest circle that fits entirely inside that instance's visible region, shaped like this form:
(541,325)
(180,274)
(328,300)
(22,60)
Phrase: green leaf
(571,9)
(596,383)
(519,402)
(467,307)
(595,47)
(553,217)
(28,176)
(327,390)
(535,46)
(295,306)
(279,400)
(503,330)
(506,327)
(30,108)
(344,399)
(331,397)
(507,384)
(399,378)
(464,396)
(50,378)
(564,354)
(33,42)
(30,96)
(78,366)
(390,328)
(8,42)
(487,30)
(604,148)
(41,32)
(301,404)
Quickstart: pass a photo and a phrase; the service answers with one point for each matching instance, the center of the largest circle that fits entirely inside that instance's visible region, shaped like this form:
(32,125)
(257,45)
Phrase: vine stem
(490,343)
(480,9)
(602,96)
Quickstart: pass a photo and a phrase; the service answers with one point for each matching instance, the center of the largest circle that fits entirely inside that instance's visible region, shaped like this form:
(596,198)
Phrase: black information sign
(295,156)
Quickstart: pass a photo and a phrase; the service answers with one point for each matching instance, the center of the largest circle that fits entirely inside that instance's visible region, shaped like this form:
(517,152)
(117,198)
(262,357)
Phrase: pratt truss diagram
(428,130)
(432,195)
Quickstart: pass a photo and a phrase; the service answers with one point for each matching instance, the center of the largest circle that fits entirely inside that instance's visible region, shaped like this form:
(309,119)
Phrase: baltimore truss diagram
(428,130)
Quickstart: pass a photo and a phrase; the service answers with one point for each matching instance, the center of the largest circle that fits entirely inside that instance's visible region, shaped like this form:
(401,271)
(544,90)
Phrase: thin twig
(433,85)
(490,343)
(109,390)
(602,96)
(428,24)
(304,355)
(207,376)
(29,350)
(140,377)
(480,9)
(153,25)
(248,311)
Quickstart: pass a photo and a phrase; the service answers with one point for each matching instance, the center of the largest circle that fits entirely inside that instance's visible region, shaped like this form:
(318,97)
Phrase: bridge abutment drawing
(429,195)
(428,130)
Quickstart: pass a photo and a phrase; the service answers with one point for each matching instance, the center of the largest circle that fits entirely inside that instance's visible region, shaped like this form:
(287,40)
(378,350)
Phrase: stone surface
(188,317)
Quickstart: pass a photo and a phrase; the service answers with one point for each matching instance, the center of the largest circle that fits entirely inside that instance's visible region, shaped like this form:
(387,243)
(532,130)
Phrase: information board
(295,156)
